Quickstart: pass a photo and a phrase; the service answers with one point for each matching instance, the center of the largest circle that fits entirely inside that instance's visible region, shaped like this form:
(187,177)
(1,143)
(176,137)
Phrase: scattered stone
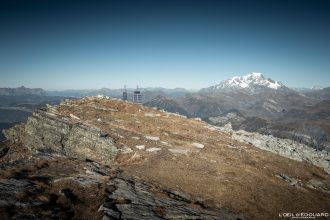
(175,114)
(317,185)
(178,151)
(198,145)
(232,147)
(151,138)
(165,143)
(136,138)
(140,147)
(125,150)
(104,135)
(151,115)
(74,117)
(290,180)
(153,149)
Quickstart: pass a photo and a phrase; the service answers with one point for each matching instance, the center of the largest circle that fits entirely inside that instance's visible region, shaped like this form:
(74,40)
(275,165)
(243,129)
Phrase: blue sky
(192,44)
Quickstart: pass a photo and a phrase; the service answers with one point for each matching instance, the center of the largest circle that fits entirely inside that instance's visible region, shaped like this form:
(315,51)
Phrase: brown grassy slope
(225,173)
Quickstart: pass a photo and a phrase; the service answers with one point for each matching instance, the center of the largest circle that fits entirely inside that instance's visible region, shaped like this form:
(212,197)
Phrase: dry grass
(225,173)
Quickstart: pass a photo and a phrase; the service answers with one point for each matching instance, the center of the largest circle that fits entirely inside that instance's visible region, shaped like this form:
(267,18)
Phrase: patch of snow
(316,88)
(250,80)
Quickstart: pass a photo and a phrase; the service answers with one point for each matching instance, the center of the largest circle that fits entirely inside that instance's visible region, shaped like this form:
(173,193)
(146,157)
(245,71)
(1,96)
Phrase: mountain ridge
(111,158)
(246,82)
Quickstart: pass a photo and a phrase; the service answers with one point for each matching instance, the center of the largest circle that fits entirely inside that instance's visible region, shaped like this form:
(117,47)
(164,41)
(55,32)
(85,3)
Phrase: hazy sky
(55,44)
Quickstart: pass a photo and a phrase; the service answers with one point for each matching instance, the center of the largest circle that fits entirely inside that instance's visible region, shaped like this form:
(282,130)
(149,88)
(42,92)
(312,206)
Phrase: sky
(57,44)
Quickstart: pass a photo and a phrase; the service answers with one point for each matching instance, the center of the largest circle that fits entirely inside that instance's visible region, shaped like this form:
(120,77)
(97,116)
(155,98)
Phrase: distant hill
(148,93)
(321,94)
(17,104)
(21,91)
(166,103)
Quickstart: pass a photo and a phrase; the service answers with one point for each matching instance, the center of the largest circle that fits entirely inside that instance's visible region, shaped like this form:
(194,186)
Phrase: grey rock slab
(133,199)
(72,139)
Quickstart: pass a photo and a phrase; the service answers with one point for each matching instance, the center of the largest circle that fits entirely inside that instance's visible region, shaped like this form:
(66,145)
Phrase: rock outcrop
(284,147)
(133,199)
(70,137)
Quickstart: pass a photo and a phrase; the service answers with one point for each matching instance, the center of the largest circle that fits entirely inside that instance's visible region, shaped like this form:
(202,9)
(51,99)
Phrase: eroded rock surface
(284,147)
(73,138)
(134,199)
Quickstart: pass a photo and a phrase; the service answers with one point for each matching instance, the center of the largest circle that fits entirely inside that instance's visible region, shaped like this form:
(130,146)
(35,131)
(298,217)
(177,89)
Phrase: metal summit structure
(125,97)
(137,96)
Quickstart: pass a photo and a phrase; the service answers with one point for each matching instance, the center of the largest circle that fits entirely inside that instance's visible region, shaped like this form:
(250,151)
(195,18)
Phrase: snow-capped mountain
(248,81)
(253,94)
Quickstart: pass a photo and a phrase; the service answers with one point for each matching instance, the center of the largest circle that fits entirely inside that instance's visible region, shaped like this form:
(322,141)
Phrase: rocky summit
(102,158)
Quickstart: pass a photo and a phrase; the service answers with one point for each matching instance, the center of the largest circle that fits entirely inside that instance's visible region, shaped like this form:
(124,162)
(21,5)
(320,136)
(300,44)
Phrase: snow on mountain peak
(255,74)
(316,88)
(249,81)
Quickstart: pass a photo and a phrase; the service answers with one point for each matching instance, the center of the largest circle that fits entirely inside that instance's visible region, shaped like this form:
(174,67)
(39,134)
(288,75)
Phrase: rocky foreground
(101,158)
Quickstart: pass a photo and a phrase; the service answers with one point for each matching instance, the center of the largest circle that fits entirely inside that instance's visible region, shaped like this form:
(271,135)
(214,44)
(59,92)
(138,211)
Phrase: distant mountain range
(251,102)
(252,95)
(149,93)
(250,83)
(21,91)
(255,103)
(17,104)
